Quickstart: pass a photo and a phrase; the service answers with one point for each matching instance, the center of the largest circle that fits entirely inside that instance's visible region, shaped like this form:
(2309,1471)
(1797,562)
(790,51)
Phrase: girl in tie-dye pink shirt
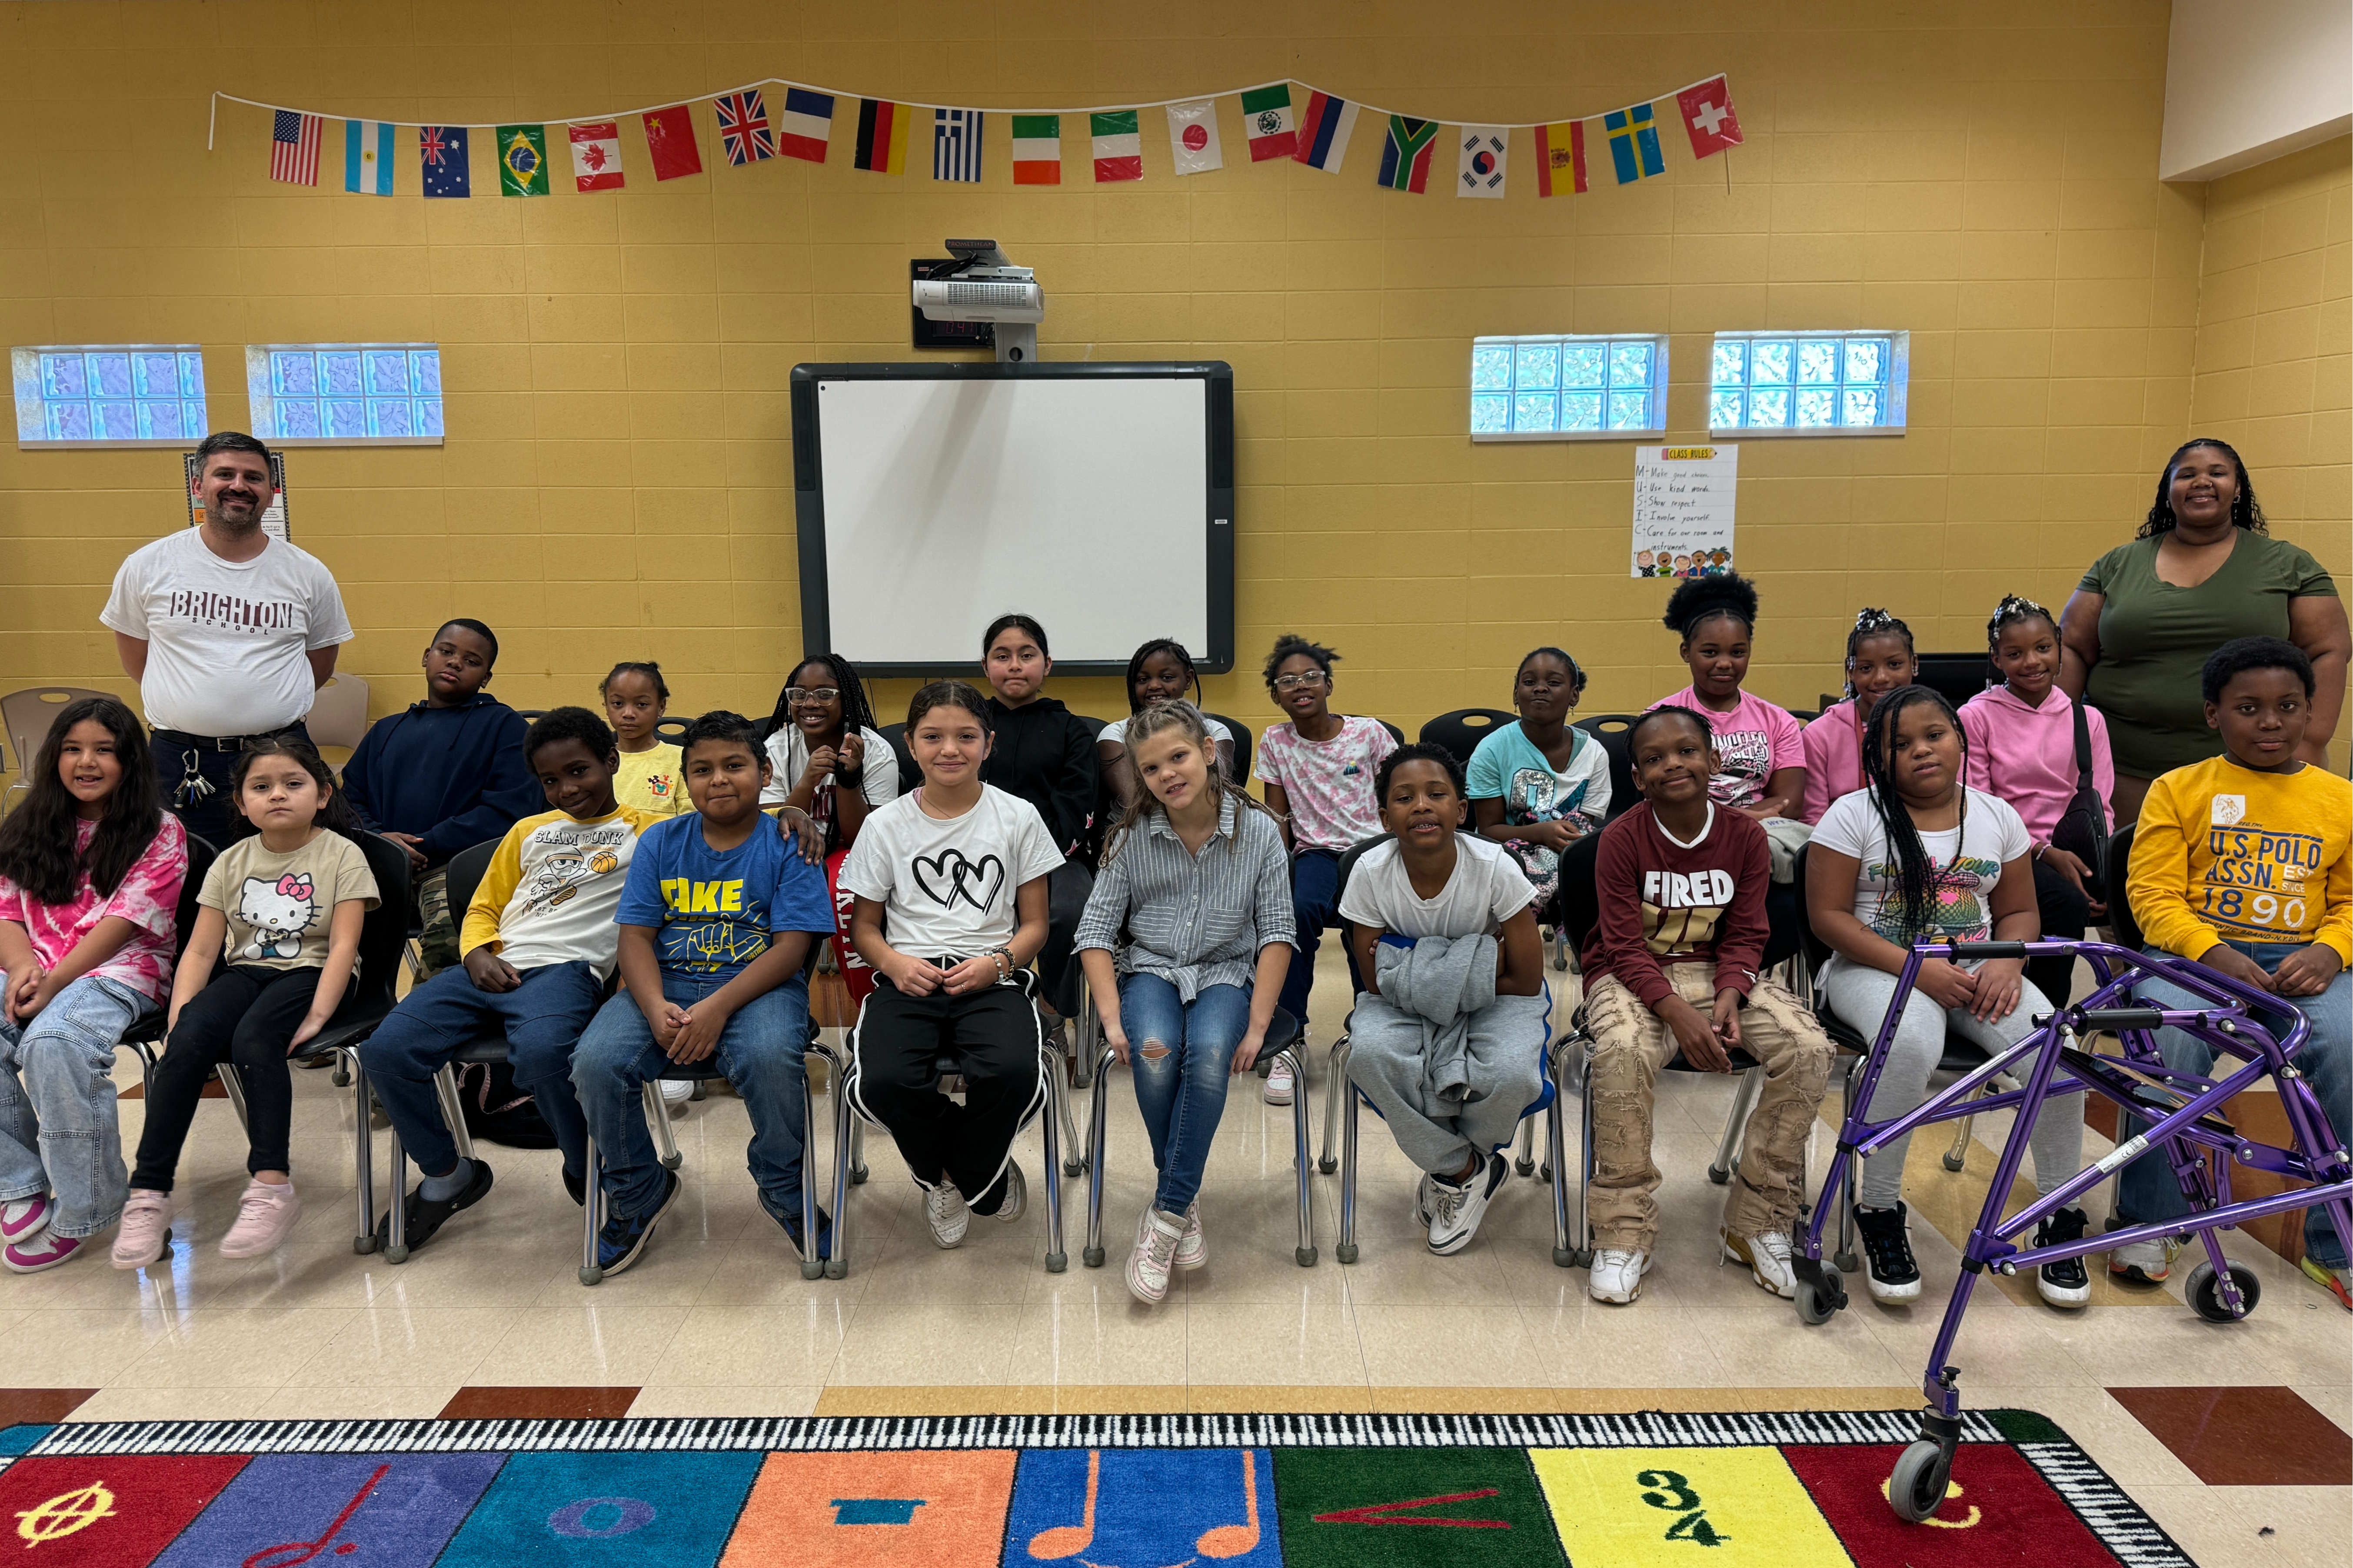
(148,898)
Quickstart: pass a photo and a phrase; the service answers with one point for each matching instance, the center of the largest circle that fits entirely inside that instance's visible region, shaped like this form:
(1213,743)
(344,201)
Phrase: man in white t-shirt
(228,631)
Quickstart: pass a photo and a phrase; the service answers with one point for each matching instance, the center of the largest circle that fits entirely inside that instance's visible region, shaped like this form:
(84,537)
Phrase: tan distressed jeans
(1632,1043)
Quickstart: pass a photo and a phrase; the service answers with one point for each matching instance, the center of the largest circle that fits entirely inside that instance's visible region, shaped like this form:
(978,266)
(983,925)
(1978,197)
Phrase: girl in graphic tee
(280,918)
(1762,759)
(950,883)
(1541,784)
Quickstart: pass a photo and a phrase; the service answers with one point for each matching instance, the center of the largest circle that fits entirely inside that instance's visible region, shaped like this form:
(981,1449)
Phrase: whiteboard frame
(1216,510)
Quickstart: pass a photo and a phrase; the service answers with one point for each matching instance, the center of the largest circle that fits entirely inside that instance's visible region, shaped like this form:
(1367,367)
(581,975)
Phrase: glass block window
(110,395)
(1567,388)
(346,395)
(1807,383)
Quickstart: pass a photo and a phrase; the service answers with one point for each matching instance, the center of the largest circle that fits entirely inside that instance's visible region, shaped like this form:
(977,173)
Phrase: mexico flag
(1036,148)
(1266,110)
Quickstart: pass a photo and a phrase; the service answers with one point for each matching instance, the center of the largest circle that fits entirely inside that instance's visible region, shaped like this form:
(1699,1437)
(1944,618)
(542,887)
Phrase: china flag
(1708,116)
(670,138)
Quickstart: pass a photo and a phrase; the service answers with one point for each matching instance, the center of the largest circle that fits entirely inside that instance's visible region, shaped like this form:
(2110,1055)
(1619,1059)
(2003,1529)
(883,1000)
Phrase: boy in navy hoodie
(446,774)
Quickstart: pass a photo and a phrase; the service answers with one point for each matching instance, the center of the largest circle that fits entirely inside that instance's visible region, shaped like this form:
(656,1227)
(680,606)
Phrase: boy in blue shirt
(716,920)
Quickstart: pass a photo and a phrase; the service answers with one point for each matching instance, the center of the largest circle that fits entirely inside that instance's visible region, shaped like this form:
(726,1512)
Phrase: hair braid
(1916,877)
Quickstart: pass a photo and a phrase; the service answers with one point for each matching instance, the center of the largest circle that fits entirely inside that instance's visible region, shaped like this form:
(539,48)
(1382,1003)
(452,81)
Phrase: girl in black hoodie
(1045,754)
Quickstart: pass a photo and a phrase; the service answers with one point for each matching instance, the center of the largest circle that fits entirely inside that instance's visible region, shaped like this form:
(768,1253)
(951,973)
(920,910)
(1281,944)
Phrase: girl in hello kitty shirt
(283,907)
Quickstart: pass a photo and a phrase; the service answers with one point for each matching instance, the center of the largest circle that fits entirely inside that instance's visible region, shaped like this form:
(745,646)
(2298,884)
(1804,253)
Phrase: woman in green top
(2147,615)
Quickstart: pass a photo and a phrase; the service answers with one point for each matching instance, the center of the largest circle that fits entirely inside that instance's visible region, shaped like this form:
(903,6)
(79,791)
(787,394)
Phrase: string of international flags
(1282,119)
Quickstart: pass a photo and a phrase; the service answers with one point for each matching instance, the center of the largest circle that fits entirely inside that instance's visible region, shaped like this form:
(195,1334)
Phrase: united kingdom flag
(744,128)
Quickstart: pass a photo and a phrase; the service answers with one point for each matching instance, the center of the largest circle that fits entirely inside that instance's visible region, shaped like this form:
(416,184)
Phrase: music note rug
(1653,1491)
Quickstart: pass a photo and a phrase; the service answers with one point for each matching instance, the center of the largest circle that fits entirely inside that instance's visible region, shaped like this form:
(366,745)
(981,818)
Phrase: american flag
(956,145)
(744,128)
(294,141)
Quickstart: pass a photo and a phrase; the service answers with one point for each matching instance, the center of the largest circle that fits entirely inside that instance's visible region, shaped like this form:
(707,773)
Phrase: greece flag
(367,157)
(956,145)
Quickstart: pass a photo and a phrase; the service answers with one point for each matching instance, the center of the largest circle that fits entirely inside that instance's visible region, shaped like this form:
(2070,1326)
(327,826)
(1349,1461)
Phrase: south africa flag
(1405,155)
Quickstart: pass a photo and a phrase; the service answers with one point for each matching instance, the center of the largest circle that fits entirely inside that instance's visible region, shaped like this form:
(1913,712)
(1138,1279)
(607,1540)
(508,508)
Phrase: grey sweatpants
(1507,1072)
(1861,996)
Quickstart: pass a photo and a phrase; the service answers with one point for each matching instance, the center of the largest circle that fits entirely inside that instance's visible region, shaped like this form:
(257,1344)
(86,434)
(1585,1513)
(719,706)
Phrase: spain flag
(1560,158)
(881,136)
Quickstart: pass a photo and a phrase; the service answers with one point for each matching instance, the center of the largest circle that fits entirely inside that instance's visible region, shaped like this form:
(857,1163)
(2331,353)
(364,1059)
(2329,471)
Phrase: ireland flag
(1036,148)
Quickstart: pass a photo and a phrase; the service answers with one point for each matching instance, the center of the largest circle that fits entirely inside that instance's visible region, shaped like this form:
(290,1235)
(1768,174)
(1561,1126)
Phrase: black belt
(221,743)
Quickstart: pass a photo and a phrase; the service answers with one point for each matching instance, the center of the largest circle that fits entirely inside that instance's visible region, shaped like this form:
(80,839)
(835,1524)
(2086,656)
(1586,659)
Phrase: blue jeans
(1314,904)
(2147,1192)
(543,1017)
(1182,1091)
(761,1051)
(58,1133)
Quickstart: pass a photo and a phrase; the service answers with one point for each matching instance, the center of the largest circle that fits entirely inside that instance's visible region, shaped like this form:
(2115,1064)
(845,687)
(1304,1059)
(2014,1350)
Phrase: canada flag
(597,156)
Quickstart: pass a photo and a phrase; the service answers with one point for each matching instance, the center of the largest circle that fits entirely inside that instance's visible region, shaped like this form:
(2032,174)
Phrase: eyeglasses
(1294,682)
(796,695)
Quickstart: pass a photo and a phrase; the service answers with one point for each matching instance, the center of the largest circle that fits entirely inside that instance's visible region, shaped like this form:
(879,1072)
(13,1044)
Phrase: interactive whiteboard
(932,498)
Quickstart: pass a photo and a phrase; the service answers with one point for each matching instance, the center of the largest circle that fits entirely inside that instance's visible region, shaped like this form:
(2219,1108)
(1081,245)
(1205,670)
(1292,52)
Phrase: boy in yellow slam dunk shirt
(2241,862)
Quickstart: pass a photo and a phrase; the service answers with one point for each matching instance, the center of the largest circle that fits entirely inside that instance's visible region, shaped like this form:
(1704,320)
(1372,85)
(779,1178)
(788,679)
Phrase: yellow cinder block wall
(616,482)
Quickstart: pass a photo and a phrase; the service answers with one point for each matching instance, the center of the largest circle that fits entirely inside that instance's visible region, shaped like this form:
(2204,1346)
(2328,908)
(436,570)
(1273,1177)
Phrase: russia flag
(1324,126)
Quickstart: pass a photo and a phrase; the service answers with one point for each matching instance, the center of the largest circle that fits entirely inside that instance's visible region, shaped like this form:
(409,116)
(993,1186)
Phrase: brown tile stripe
(212,1091)
(537,1404)
(1115,1399)
(2252,1436)
(38,1407)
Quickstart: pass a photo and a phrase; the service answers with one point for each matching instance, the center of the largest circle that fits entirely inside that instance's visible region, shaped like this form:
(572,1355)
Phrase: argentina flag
(956,145)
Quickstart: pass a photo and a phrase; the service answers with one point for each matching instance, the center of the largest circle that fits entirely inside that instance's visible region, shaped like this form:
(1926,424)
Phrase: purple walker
(2183,1110)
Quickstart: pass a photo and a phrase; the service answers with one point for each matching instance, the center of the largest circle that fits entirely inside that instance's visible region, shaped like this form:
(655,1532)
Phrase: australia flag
(442,150)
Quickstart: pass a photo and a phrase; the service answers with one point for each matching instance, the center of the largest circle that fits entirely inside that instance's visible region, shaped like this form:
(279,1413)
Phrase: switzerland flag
(1708,116)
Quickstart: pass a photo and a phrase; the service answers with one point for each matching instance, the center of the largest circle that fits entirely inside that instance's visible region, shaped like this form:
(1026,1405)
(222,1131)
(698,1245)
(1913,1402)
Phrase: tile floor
(2234,1439)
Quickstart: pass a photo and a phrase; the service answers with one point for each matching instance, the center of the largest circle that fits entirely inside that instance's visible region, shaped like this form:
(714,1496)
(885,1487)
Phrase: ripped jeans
(1182,1055)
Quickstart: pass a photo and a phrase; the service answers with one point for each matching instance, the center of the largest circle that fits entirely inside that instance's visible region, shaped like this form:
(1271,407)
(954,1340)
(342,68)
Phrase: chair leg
(1735,1126)
(1302,1157)
(363,1157)
(233,1087)
(453,1109)
(1958,1154)
(1526,1161)
(845,1133)
(1074,1161)
(1084,1044)
(1096,1132)
(1335,1072)
(658,1118)
(1345,1250)
(396,1245)
(812,1254)
(1556,1159)
(857,1150)
(1058,1256)
(592,1217)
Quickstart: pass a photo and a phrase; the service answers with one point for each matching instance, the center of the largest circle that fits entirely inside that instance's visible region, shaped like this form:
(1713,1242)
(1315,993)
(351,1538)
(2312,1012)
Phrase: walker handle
(1964,950)
(2110,1019)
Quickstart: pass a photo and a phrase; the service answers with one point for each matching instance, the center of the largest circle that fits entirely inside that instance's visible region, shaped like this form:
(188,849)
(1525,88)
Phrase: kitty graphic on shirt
(279,912)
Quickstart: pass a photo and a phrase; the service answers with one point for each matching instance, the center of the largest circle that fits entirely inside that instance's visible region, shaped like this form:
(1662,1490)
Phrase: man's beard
(252,510)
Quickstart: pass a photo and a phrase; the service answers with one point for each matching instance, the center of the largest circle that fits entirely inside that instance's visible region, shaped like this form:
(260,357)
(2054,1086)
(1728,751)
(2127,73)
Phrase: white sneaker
(1617,1275)
(1279,1085)
(1423,1201)
(1769,1257)
(2144,1262)
(1157,1235)
(1455,1212)
(944,1207)
(1016,1202)
(1191,1250)
(675,1093)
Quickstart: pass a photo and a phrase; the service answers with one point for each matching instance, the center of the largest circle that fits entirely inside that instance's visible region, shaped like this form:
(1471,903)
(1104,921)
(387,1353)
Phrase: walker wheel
(1813,1310)
(1917,1487)
(591,1275)
(2204,1291)
(1719,1174)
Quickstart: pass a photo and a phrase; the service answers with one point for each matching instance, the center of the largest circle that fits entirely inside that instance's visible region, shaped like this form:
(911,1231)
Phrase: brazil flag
(523,160)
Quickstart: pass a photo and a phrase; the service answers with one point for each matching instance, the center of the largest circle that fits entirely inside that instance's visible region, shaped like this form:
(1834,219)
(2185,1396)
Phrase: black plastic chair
(1956,677)
(672,731)
(1612,731)
(1461,731)
(1395,733)
(1244,746)
(909,774)
(531,715)
(2120,914)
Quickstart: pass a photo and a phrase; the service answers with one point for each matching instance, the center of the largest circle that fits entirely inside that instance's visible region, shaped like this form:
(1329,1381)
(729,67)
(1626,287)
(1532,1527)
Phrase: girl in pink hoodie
(1879,658)
(2021,738)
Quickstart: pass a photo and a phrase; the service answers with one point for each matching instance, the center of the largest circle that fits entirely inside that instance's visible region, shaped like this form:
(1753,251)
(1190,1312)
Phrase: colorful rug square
(1412,1508)
(396,1510)
(1640,1507)
(109,1510)
(645,1511)
(1111,1508)
(929,1509)
(1996,1511)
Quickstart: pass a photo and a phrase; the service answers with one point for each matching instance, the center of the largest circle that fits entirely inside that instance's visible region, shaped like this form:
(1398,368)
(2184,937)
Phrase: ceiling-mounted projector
(986,286)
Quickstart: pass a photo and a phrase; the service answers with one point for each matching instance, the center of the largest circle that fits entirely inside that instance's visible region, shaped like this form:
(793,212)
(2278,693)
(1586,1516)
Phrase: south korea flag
(1484,151)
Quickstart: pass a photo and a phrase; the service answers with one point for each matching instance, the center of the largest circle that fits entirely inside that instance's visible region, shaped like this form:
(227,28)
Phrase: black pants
(244,1016)
(2065,914)
(994,1036)
(1067,887)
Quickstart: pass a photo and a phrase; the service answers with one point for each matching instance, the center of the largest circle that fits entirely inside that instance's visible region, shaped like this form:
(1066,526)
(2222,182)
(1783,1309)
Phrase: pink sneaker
(146,1233)
(265,1215)
(21,1219)
(46,1250)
